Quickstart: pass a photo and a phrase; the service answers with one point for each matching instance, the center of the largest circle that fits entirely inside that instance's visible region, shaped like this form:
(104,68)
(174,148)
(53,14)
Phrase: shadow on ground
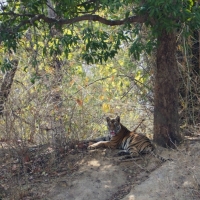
(100,175)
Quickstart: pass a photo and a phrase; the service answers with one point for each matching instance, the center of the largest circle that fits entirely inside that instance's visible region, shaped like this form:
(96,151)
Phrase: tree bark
(7,84)
(166,119)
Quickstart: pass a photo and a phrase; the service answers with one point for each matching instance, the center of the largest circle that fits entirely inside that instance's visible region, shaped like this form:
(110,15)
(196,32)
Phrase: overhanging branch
(89,17)
(133,19)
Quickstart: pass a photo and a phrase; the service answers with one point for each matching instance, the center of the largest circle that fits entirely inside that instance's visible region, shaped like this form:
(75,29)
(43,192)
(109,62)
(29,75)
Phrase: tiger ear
(108,119)
(118,118)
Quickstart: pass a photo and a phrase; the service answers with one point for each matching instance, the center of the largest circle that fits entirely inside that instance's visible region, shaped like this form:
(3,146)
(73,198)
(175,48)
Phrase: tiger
(129,142)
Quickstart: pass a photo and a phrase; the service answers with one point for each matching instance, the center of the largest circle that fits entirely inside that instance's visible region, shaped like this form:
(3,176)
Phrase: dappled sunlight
(131,197)
(106,167)
(107,184)
(94,163)
(188,184)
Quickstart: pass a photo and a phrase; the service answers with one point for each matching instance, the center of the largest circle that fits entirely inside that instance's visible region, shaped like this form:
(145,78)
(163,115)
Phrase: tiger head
(114,126)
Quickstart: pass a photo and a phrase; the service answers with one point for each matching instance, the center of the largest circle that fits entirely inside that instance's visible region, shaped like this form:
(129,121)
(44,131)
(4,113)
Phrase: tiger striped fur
(131,143)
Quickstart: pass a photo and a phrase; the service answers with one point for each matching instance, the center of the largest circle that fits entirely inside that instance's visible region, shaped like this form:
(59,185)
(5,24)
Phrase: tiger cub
(131,143)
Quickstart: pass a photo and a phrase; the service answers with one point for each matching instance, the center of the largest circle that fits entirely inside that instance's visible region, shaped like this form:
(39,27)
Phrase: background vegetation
(70,77)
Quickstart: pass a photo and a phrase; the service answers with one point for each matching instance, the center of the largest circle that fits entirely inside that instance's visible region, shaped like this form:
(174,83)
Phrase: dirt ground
(100,175)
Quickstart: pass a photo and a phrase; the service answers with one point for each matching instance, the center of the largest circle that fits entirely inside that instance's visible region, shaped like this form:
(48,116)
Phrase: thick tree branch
(139,19)
(88,17)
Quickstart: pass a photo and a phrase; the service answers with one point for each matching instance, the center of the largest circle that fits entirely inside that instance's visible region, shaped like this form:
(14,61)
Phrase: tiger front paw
(98,145)
(92,146)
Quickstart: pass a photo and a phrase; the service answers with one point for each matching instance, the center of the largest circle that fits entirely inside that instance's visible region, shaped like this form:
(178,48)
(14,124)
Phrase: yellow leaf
(139,77)
(86,81)
(101,97)
(67,31)
(86,99)
(105,107)
(49,69)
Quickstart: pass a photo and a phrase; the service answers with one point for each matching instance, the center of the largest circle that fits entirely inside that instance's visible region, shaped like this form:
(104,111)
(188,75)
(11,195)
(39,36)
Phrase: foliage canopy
(17,17)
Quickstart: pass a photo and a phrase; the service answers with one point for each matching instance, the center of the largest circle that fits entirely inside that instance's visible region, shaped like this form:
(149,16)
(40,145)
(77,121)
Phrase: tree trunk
(166,119)
(6,85)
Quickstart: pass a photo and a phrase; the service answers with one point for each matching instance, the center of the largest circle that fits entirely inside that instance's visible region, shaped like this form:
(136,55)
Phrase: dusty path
(174,180)
(102,177)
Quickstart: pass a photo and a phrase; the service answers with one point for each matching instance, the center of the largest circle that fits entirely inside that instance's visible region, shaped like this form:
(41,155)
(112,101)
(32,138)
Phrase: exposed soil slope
(100,175)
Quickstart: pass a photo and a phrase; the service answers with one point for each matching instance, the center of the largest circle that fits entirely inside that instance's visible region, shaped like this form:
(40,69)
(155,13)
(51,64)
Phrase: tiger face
(114,126)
